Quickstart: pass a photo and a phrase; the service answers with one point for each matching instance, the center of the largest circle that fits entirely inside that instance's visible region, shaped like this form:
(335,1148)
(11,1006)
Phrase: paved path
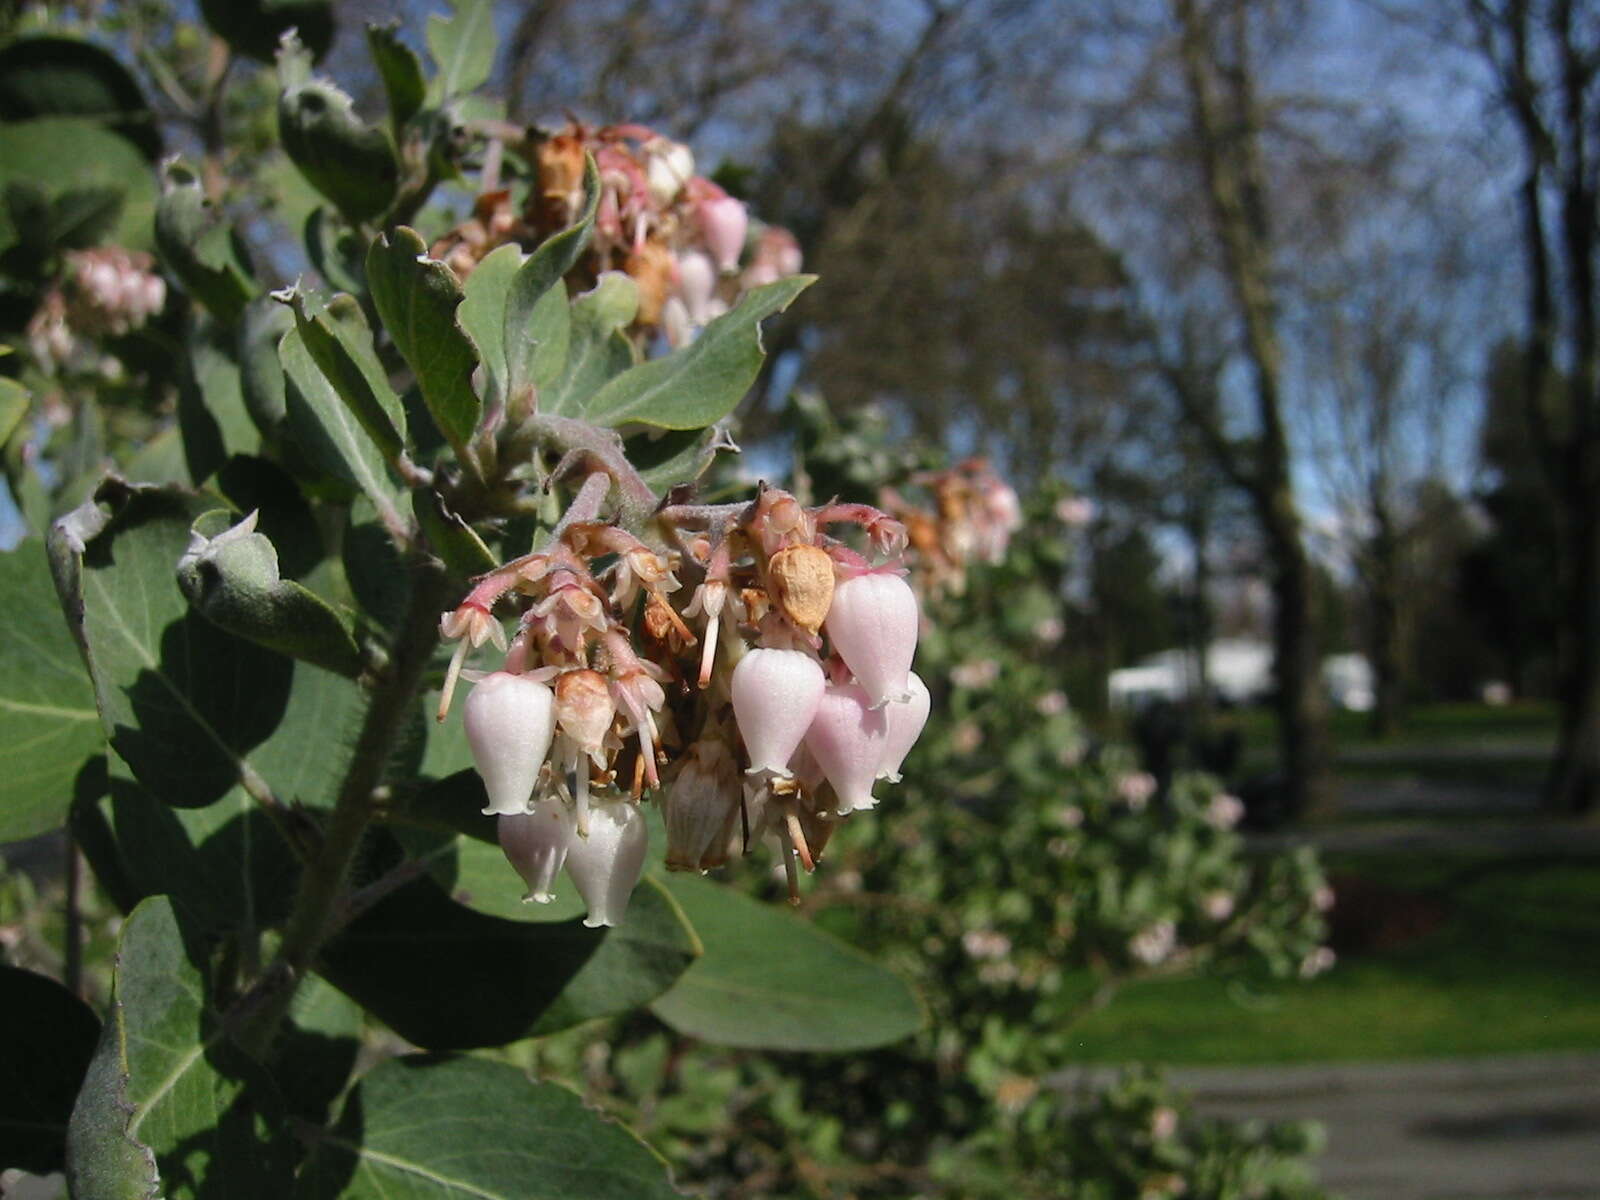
(1504,1128)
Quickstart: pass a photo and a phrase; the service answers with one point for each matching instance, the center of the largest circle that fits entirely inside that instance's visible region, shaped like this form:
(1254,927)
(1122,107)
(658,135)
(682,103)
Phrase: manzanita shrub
(1028,875)
(455,465)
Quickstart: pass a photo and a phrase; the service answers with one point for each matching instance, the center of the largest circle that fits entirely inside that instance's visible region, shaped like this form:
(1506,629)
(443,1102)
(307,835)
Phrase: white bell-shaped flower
(872,623)
(775,695)
(509,720)
(905,727)
(536,843)
(607,864)
(847,738)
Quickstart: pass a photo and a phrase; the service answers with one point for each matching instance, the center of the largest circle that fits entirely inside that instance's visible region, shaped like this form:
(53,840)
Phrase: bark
(1385,634)
(1561,329)
(1226,122)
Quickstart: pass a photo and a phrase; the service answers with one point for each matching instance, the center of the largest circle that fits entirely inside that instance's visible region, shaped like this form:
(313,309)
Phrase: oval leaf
(529,313)
(417,298)
(492,1135)
(702,382)
(771,981)
(169,1107)
(47,1037)
(46,698)
(462,46)
(490,980)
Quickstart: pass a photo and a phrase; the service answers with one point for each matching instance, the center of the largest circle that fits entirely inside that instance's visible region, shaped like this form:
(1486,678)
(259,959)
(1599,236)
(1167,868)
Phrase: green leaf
(13,407)
(82,218)
(769,980)
(47,76)
(336,251)
(230,575)
(401,72)
(47,1037)
(462,46)
(169,1107)
(254,27)
(597,346)
(417,298)
(496,1136)
(61,155)
(193,710)
(211,408)
(261,384)
(667,458)
(225,863)
(317,1052)
(46,699)
(483,313)
(451,538)
(198,247)
(337,337)
(490,980)
(704,381)
(326,430)
(349,161)
(529,315)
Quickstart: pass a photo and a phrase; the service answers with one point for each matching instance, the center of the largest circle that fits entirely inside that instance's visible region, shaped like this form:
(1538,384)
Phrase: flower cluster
(768,707)
(974,515)
(104,292)
(691,248)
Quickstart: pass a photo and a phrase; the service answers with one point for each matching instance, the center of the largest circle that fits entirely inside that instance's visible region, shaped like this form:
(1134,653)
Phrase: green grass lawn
(1512,968)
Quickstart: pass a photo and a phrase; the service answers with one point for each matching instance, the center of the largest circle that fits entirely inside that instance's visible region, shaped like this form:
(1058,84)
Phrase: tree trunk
(1298,700)
(1384,627)
(1574,781)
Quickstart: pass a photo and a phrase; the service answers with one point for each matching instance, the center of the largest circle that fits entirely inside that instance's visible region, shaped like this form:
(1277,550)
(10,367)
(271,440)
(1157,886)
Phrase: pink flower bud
(697,280)
(848,738)
(905,727)
(775,696)
(607,864)
(509,720)
(535,843)
(873,625)
(724,223)
(697,806)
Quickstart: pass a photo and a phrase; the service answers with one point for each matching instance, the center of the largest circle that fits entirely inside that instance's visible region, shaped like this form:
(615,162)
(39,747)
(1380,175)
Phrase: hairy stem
(316,907)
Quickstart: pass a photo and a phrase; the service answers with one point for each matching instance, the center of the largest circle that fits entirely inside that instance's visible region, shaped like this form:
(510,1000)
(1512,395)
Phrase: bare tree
(1545,59)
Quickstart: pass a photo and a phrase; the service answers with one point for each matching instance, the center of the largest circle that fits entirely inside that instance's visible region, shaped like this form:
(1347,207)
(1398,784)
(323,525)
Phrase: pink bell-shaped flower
(697,805)
(697,280)
(509,720)
(905,727)
(724,223)
(607,864)
(775,695)
(847,737)
(536,842)
(872,623)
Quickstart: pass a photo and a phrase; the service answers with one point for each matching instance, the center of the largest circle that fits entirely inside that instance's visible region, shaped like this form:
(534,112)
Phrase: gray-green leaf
(198,247)
(528,312)
(169,1107)
(339,341)
(45,697)
(597,347)
(417,298)
(462,46)
(772,981)
(704,381)
(493,1135)
(401,73)
(349,161)
(230,575)
(326,430)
